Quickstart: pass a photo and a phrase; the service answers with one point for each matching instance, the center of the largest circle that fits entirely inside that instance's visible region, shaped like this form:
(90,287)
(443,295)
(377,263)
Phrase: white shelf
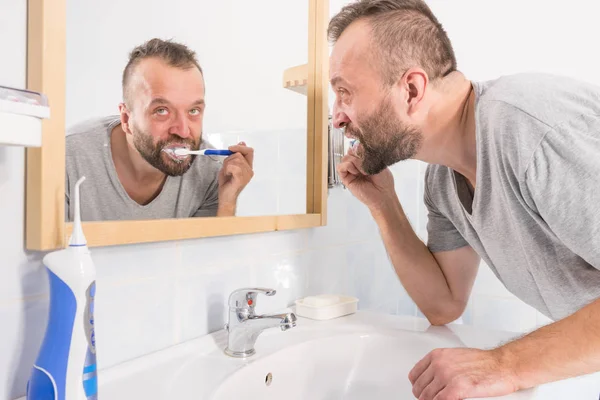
(296,79)
(21,114)
(20,130)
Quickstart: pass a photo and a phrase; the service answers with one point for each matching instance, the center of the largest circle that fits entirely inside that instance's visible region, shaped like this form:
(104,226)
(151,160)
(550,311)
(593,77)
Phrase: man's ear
(414,82)
(125,117)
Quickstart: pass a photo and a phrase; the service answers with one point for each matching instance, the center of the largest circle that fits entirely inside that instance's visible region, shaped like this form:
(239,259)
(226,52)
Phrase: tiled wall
(156,295)
(279,183)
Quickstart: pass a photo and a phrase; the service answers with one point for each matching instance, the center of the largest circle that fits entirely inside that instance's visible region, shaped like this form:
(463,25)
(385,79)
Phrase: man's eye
(343,95)
(195,111)
(161,111)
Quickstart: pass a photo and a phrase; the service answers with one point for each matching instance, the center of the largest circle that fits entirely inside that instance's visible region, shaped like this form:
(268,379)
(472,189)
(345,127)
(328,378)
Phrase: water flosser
(66,365)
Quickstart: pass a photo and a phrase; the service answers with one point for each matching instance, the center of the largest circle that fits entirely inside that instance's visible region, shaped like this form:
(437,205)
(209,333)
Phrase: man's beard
(160,160)
(384,139)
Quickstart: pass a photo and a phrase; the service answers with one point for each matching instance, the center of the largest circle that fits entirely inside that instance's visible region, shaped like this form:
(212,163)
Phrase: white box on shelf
(21,114)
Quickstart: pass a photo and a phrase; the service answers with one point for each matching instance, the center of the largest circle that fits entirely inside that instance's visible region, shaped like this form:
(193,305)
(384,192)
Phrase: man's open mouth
(171,152)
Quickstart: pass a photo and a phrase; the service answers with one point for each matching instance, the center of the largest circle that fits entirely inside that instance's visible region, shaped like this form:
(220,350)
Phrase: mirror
(264,81)
(144,78)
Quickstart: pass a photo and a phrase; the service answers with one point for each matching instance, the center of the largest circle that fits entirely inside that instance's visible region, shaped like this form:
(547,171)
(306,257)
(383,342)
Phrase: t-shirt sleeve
(442,235)
(562,183)
(210,205)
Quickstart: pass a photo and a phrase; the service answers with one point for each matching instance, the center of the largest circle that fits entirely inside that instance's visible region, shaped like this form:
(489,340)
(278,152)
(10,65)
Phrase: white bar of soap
(322,300)
(326,306)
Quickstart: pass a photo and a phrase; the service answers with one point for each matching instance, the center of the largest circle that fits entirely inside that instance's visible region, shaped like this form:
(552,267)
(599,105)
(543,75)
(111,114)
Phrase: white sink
(362,356)
(352,366)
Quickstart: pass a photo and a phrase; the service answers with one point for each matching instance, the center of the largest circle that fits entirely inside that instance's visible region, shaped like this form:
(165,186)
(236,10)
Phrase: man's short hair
(405,34)
(174,54)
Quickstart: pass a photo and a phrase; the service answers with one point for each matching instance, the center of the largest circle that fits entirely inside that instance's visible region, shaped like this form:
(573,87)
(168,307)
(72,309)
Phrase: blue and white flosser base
(65,368)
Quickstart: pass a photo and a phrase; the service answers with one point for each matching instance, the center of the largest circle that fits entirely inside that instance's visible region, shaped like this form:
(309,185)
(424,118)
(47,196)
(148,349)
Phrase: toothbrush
(180,152)
(204,152)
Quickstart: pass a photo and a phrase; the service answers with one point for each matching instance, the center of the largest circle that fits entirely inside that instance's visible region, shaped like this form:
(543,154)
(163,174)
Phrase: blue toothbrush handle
(213,152)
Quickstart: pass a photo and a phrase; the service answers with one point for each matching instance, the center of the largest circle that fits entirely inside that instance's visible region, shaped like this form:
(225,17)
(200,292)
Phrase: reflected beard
(384,139)
(154,155)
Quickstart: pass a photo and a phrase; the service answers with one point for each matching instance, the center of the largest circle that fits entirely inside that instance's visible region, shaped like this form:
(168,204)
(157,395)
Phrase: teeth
(181,151)
(175,153)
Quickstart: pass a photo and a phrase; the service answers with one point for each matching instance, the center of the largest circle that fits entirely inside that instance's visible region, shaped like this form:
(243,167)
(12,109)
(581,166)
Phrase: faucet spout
(245,326)
(288,321)
(283,321)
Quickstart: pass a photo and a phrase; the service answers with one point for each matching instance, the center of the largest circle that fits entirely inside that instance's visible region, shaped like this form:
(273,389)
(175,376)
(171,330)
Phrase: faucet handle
(246,297)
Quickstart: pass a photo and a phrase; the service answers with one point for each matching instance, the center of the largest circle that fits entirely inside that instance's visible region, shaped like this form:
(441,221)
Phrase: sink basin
(347,366)
(363,356)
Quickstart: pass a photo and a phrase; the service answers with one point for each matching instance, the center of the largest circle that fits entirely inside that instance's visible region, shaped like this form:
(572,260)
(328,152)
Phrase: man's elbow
(446,314)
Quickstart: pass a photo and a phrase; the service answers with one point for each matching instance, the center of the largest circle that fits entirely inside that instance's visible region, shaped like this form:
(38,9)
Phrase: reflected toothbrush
(203,152)
(182,152)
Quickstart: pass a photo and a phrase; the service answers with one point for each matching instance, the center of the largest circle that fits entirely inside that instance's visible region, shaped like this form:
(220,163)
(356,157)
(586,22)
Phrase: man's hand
(372,190)
(456,374)
(235,174)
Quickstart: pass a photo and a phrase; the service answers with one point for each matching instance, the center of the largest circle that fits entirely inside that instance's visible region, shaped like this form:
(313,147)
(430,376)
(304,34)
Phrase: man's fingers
(243,150)
(349,156)
(357,161)
(423,382)
(233,170)
(432,390)
(348,168)
(234,157)
(236,165)
(419,368)
(237,158)
(449,393)
(348,173)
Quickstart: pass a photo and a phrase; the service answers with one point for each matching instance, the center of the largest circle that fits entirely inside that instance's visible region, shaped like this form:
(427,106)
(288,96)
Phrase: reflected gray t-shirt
(534,216)
(103,198)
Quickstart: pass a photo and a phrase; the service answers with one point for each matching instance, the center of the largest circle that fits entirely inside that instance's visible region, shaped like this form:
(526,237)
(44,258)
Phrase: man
(129,176)
(514,178)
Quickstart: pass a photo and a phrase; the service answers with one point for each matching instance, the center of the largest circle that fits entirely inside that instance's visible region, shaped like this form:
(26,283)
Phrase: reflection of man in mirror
(130,176)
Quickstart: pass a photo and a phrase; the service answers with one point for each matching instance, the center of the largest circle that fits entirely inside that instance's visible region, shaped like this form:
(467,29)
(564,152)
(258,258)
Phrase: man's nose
(340,119)
(180,127)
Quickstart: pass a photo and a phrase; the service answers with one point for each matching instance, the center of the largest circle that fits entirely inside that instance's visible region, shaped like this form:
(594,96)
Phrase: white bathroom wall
(155,295)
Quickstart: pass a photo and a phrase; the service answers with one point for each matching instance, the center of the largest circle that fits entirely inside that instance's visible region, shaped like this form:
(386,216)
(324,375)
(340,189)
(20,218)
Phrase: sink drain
(268,379)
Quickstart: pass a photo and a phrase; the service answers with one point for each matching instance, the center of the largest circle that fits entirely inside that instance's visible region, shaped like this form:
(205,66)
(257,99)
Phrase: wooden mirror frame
(46,228)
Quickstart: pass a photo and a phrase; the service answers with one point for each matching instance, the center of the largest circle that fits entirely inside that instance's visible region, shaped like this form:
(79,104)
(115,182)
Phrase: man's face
(167,112)
(370,110)
(384,138)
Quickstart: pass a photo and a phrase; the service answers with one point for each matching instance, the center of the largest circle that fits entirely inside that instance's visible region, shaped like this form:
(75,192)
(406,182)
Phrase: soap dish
(326,306)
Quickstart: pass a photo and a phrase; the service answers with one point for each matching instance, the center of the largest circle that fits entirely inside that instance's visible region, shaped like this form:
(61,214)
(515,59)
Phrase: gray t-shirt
(103,198)
(535,216)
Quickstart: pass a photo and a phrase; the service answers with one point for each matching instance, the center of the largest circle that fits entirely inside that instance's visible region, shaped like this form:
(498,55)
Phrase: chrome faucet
(244,325)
